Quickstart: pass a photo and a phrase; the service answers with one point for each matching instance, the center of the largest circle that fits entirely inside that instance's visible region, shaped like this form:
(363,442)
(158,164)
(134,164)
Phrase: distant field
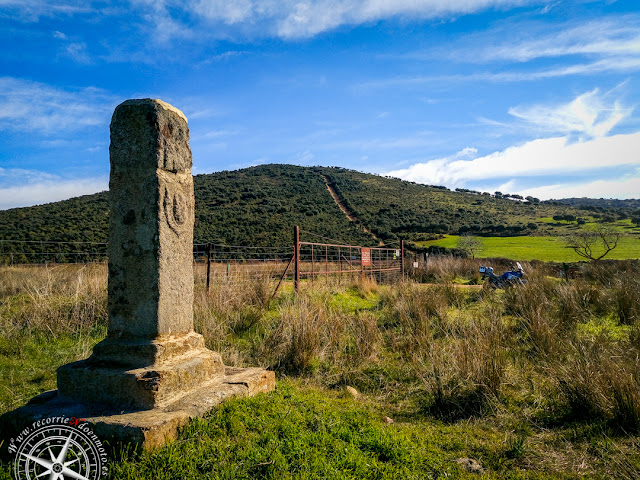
(549,249)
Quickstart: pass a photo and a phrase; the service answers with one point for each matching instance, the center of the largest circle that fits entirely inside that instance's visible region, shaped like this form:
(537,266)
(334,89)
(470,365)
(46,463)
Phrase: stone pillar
(152,373)
(151,222)
(151,353)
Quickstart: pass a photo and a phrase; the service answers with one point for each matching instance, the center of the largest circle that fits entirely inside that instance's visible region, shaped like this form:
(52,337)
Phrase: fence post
(402,258)
(209,248)
(296,253)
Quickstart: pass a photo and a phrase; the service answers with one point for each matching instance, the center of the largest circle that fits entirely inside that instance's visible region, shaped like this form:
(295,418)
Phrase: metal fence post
(402,258)
(296,250)
(209,248)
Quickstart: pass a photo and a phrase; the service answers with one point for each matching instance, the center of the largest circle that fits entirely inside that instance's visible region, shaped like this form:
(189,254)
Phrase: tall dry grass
(57,299)
(309,331)
(463,370)
(600,379)
(446,268)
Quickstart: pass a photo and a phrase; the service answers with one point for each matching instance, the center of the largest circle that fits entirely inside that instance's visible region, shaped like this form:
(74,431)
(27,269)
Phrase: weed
(516,446)
(464,371)
(299,337)
(626,293)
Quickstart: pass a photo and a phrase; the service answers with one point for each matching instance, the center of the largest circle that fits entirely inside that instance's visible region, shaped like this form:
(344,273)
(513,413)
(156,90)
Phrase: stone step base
(140,388)
(147,429)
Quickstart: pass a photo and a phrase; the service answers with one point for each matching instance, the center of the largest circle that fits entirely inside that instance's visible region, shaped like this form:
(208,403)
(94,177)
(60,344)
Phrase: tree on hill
(594,244)
(469,244)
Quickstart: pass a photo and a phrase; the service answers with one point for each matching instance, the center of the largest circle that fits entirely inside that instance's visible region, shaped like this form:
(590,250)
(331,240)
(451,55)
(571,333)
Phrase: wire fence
(17,252)
(236,264)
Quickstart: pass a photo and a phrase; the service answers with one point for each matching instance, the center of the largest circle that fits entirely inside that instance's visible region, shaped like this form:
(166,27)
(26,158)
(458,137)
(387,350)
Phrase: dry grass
(58,299)
(464,371)
(550,355)
(600,380)
(626,298)
(446,269)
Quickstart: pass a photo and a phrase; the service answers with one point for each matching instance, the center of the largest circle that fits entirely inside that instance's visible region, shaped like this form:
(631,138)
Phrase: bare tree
(469,244)
(594,244)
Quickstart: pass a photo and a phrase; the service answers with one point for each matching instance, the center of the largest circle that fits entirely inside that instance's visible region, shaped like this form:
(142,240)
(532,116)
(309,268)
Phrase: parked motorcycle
(510,278)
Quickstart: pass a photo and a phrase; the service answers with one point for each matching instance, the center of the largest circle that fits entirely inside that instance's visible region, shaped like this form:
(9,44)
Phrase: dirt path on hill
(348,213)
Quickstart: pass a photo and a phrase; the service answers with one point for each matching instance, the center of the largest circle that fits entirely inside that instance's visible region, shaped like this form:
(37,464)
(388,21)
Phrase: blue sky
(523,96)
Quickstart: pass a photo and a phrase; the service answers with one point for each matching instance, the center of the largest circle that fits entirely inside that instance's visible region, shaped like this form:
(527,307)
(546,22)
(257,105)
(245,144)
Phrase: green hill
(259,206)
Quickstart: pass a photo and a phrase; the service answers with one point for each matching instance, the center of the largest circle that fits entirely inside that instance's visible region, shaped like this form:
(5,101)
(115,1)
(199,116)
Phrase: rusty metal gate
(312,260)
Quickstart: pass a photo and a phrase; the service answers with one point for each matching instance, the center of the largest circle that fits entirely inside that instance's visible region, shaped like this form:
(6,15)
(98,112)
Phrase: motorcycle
(507,279)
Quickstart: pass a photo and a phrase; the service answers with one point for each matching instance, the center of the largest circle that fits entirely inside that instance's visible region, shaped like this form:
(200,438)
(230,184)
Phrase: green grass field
(548,249)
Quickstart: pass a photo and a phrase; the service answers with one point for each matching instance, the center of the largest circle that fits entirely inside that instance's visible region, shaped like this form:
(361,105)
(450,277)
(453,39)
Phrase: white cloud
(23,188)
(616,36)
(608,65)
(507,187)
(301,18)
(31,106)
(467,152)
(33,10)
(548,156)
(590,114)
(619,188)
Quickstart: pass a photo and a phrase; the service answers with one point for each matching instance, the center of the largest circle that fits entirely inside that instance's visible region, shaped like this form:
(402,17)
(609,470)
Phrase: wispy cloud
(218,133)
(522,41)
(531,51)
(610,65)
(77,51)
(22,187)
(609,37)
(291,19)
(33,10)
(29,106)
(591,114)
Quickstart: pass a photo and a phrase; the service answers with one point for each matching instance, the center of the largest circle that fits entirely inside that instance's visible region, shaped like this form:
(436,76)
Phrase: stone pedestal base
(141,375)
(141,391)
(145,428)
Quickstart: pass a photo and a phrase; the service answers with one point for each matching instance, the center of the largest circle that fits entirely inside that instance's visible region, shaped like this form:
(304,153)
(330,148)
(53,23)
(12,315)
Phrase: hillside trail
(348,213)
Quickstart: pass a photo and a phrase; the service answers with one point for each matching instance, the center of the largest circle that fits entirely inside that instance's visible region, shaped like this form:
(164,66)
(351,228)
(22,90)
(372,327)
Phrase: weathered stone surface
(151,222)
(151,355)
(351,392)
(152,372)
(470,465)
